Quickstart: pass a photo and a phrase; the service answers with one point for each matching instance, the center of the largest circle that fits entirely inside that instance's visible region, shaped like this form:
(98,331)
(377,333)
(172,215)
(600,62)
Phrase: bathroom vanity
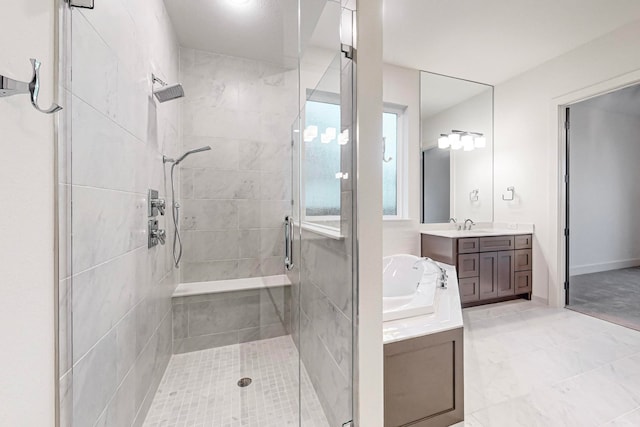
(424,364)
(493,265)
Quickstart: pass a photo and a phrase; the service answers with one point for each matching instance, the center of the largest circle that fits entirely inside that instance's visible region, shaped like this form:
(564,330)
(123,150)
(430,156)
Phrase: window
(322,160)
(393,170)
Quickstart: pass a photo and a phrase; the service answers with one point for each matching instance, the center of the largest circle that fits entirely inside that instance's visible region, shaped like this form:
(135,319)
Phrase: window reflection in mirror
(457,149)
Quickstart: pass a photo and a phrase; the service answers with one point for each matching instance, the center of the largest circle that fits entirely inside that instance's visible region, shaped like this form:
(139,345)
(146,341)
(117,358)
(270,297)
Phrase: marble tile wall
(214,320)
(116,293)
(235,197)
(325,336)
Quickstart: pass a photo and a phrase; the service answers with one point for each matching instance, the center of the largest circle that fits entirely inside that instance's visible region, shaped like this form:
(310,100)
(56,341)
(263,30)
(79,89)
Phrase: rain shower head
(167,92)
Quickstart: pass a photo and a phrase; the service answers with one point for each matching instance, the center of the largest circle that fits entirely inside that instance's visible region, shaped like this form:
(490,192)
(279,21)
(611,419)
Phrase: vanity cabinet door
(523,282)
(488,275)
(506,269)
(467,265)
(469,289)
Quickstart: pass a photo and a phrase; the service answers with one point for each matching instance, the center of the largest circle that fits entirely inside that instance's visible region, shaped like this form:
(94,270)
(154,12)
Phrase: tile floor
(526,365)
(530,365)
(200,388)
(609,295)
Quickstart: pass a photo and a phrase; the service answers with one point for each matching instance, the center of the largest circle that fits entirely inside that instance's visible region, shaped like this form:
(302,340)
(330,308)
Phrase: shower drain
(243,382)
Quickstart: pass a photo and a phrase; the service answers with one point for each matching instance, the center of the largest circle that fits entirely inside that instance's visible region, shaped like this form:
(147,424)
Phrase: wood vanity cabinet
(424,381)
(490,269)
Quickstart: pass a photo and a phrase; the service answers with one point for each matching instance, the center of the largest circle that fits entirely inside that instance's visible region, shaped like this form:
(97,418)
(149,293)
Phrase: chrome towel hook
(10,87)
(511,190)
(384,151)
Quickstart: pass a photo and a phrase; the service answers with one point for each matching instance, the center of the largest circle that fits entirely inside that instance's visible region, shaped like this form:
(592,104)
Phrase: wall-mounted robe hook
(384,151)
(474,195)
(10,87)
(512,190)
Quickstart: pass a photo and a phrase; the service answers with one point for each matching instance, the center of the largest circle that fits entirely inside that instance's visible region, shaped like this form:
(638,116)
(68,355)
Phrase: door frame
(558,108)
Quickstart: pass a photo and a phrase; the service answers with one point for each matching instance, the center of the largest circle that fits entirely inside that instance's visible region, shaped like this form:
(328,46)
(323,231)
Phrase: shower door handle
(288,243)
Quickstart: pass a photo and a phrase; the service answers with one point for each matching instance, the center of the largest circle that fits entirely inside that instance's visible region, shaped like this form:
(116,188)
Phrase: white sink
(407,289)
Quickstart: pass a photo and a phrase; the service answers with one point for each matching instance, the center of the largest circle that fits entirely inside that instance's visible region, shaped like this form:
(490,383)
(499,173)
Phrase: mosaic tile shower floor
(200,388)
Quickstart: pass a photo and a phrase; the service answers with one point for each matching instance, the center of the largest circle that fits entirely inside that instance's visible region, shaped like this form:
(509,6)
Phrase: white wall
(27,226)
(526,141)
(402,86)
(605,196)
(469,169)
(370,404)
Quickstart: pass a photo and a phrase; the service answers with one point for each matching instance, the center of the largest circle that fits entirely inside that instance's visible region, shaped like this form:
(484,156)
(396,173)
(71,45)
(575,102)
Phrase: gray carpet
(613,296)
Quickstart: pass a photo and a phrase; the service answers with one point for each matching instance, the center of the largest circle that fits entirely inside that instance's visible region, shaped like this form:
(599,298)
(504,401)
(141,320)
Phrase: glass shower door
(323,182)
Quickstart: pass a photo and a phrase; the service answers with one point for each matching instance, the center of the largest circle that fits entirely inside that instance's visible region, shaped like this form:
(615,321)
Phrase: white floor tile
(530,365)
(200,388)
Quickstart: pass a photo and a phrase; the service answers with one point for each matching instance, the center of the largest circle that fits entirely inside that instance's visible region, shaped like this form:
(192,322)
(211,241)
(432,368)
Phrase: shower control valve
(159,204)
(156,235)
(156,204)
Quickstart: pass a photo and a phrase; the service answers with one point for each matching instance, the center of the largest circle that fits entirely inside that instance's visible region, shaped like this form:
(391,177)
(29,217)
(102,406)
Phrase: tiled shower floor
(200,388)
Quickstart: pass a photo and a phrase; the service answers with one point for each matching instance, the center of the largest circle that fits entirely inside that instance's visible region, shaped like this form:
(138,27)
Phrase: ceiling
(264,30)
(488,41)
(439,93)
(493,40)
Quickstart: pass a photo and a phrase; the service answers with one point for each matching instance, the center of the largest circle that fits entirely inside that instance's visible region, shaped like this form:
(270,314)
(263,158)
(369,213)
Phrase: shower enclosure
(231,116)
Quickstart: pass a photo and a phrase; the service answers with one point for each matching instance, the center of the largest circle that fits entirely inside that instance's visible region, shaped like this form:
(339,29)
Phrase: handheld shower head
(167,92)
(185,155)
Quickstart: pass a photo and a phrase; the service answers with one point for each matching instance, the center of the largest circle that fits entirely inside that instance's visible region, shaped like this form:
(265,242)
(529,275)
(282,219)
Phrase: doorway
(602,198)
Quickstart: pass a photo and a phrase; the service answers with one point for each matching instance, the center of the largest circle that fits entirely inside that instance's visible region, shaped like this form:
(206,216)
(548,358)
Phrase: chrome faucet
(442,278)
(455,222)
(466,221)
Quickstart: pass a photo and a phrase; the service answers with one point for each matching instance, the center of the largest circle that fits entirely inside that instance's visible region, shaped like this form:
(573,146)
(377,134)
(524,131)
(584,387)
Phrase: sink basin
(408,287)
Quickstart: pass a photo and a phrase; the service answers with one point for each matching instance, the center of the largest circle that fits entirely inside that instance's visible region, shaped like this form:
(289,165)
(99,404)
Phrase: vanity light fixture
(454,141)
(344,137)
(310,133)
(480,141)
(443,141)
(467,142)
(458,139)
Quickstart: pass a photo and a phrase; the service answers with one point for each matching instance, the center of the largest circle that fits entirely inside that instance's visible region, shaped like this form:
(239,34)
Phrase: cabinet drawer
(469,290)
(468,245)
(524,242)
(499,243)
(523,282)
(468,265)
(523,259)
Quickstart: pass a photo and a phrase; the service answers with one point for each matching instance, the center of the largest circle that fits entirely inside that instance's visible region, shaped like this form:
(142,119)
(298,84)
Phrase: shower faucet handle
(159,204)
(161,235)
(156,204)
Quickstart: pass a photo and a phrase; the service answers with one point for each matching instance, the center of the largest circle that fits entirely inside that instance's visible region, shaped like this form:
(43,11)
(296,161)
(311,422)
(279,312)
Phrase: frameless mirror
(457,149)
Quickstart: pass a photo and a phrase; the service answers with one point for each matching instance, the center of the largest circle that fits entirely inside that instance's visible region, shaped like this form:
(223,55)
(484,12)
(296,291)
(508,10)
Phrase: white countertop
(448,315)
(480,230)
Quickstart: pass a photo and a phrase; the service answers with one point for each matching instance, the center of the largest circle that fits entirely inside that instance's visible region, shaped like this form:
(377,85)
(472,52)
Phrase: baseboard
(540,300)
(605,266)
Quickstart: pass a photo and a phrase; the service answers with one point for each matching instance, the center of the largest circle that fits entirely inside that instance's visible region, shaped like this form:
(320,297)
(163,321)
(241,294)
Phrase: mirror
(456,119)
